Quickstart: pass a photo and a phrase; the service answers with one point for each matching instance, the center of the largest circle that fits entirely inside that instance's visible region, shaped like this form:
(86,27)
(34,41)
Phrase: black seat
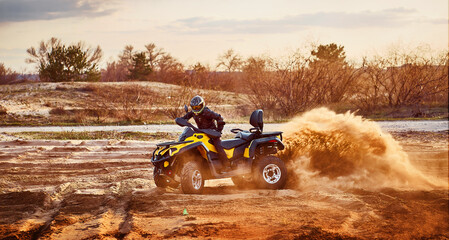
(232,143)
(245,135)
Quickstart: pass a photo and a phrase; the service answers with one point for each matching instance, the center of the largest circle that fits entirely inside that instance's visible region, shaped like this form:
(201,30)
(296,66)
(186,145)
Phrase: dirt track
(104,190)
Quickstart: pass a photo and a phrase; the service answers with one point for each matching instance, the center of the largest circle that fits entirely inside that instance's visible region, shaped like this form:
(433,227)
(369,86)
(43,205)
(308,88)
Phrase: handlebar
(236,130)
(210,132)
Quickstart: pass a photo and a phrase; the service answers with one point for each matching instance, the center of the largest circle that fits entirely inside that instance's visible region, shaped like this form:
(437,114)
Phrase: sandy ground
(104,190)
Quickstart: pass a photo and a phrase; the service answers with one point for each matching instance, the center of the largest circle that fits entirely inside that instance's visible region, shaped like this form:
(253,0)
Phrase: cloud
(27,10)
(396,17)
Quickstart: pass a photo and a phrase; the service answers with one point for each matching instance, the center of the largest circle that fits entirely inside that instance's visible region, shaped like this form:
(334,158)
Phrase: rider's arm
(220,123)
(188,115)
(219,119)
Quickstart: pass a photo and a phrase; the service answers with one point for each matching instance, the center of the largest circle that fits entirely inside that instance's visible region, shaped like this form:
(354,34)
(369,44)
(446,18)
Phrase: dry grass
(96,135)
(106,103)
(99,135)
(130,103)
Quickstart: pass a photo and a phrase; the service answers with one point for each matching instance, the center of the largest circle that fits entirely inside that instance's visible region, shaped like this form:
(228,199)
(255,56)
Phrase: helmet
(197,104)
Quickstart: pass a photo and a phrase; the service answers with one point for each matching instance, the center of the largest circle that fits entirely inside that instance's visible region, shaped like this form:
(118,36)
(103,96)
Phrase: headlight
(171,150)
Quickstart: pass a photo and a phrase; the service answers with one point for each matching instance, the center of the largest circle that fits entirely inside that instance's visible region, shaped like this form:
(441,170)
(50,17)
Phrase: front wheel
(192,178)
(270,173)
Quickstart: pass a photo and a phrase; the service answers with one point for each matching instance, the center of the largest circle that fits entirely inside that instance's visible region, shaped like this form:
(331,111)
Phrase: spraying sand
(347,151)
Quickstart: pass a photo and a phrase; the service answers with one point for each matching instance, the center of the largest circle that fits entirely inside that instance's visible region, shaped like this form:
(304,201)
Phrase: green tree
(140,67)
(57,62)
(335,79)
(52,70)
(330,52)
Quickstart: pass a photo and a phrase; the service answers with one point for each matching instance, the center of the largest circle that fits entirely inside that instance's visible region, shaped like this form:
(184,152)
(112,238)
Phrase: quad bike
(193,158)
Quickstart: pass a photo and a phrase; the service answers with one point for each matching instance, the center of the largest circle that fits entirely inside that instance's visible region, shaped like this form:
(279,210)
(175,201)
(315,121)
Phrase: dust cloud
(329,150)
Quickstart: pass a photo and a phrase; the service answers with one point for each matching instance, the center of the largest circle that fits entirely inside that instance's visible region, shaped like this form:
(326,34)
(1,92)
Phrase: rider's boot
(226,165)
(222,155)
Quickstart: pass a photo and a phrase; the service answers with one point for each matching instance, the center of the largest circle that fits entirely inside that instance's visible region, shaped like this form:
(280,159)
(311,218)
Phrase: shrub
(57,62)
(58,111)
(7,76)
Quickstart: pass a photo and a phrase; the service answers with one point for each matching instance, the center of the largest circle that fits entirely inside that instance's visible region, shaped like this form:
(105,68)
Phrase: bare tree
(154,55)
(259,77)
(230,60)
(334,76)
(114,72)
(290,86)
(403,79)
(39,56)
(199,75)
(335,81)
(170,70)
(369,95)
(126,57)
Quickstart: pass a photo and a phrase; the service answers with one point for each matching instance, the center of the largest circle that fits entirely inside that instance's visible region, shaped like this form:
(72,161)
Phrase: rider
(204,118)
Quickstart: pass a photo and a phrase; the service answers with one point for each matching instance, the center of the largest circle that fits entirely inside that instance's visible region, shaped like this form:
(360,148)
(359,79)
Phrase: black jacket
(205,120)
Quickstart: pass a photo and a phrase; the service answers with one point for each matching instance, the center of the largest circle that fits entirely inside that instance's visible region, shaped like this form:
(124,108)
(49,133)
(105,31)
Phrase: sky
(200,30)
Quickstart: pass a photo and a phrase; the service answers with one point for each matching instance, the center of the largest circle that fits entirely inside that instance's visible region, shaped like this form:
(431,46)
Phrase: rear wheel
(270,173)
(192,178)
